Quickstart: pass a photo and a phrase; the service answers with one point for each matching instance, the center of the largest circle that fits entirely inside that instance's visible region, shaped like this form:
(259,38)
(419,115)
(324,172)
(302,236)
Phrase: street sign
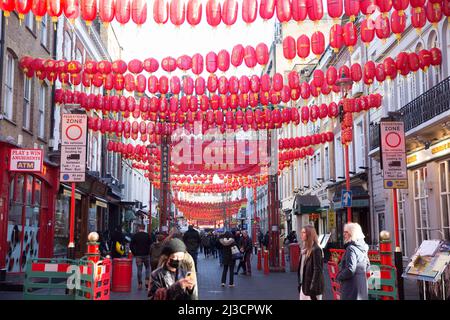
(346,198)
(26,160)
(73,148)
(393,153)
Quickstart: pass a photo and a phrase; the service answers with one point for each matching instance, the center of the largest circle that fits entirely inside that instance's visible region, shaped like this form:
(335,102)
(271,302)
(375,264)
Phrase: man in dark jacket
(246,248)
(192,240)
(140,247)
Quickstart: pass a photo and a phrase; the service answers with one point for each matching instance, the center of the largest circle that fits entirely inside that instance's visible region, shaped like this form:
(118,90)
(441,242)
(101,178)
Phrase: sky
(160,41)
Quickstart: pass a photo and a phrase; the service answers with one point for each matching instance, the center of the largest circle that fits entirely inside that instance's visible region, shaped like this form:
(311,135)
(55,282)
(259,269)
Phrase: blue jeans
(140,261)
(194,257)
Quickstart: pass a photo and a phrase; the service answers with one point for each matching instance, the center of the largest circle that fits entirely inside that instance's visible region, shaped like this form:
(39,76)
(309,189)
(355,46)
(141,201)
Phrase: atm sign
(26,160)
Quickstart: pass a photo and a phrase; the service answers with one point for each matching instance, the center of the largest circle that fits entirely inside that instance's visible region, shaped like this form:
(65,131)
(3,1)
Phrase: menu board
(429,267)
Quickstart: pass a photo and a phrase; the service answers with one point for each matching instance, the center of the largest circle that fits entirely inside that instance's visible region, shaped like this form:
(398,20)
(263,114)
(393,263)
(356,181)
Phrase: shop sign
(73,147)
(26,160)
(331,219)
(68,193)
(438,150)
(101,204)
(393,155)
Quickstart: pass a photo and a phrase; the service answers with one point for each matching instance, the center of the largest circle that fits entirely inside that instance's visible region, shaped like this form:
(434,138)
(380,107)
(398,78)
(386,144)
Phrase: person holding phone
(174,279)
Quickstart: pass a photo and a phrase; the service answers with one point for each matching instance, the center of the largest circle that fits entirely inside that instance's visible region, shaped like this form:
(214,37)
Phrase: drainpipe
(2,56)
(52,110)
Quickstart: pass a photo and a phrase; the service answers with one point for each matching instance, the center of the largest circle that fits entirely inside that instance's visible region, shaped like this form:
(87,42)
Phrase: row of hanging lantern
(180,11)
(305,141)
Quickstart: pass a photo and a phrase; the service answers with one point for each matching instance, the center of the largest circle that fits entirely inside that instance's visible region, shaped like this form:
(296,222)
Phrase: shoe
(231,285)
(223,284)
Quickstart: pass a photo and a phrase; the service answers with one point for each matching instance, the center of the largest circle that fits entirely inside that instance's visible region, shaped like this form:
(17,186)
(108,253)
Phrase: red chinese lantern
(315,10)
(237,55)
(369,72)
(139,11)
(169,64)
(295,116)
(223,85)
(197,64)
(390,68)
(335,9)
(351,9)
(400,6)
(249,10)
(418,18)
(323,111)
(402,63)
(229,12)
(267,9)
(303,46)
(184,62)
(336,37)
(277,82)
(213,12)
(39,9)
(318,78)
(299,10)
(398,23)
(304,112)
(333,110)
(71,10)
(293,80)
(200,86)
(194,12)
(367,31)
(367,7)
(417,5)
(255,84)
(223,60)
(384,6)
(119,66)
(153,84)
(433,12)
(318,43)
(350,36)
(436,57)
(446,8)
(141,84)
(177,12)
(380,75)
(305,90)
(211,62)
(424,59)
(382,27)
(413,61)
(233,85)
(135,66)
(331,76)
(262,54)
(123,8)
(129,82)
(289,48)
(54,9)
(163,85)
(161,11)
(356,72)
(22,7)
(283,8)
(250,57)
(212,83)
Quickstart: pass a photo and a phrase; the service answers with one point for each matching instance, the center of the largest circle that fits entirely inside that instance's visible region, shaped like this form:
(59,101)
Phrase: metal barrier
(95,280)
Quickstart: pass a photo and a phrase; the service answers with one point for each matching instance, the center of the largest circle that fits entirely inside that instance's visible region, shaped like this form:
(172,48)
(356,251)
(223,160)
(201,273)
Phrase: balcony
(420,110)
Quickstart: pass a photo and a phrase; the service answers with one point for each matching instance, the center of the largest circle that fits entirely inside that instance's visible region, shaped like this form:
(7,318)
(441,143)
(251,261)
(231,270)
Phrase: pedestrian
(174,279)
(246,249)
(310,266)
(354,264)
(192,240)
(155,251)
(117,243)
(140,247)
(205,244)
(266,240)
(227,241)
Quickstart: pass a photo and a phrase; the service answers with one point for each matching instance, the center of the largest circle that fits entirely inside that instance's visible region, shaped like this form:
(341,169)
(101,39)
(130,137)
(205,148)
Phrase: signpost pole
(398,259)
(347,181)
(71,247)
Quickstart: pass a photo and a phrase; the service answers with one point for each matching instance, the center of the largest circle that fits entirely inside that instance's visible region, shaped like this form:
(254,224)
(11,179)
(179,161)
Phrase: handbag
(235,253)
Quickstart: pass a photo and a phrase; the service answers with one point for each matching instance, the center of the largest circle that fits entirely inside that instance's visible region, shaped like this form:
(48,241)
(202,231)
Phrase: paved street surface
(258,286)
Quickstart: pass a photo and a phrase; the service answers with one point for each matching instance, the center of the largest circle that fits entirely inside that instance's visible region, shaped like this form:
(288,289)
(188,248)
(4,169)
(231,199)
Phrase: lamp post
(149,148)
(345,83)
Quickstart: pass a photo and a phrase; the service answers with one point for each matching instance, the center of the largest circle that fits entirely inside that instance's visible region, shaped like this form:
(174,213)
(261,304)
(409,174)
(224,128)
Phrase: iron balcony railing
(425,107)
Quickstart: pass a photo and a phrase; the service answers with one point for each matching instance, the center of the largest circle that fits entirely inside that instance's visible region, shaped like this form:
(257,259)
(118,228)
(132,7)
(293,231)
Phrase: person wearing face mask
(174,279)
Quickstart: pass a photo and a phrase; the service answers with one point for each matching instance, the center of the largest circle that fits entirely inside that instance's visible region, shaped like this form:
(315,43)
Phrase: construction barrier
(95,280)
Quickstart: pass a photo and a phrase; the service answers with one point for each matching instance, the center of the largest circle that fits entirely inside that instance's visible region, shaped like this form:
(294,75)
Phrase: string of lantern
(178,12)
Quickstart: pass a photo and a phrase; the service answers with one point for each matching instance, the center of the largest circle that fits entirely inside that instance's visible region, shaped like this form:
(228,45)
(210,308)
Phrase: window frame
(42,110)
(9,86)
(27,104)
(445,227)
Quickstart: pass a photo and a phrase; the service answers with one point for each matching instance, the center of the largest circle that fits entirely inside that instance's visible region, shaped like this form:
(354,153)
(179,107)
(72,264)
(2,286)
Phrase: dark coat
(246,245)
(227,243)
(312,283)
(163,278)
(192,240)
(140,244)
(352,271)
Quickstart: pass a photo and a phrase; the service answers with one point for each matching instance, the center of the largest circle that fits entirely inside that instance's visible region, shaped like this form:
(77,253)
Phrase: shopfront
(308,211)
(27,205)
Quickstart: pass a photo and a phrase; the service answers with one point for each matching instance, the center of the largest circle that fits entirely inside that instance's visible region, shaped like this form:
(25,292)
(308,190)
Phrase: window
(41,117)
(444,187)
(421,205)
(314,170)
(401,200)
(27,103)
(435,72)
(44,31)
(29,21)
(359,145)
(318,168)
(9,85)
(67,46)
(339,160)
(305,173)
(327,165)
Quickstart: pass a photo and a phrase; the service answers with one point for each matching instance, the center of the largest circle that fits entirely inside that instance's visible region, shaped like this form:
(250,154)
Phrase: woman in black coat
(310,266)
(227,241)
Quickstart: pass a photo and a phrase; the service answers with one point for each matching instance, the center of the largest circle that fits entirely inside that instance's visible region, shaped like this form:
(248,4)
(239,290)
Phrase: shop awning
(305,204)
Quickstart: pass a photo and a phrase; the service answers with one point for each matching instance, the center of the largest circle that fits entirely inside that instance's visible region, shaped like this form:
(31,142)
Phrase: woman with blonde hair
(310,266)
(354,264)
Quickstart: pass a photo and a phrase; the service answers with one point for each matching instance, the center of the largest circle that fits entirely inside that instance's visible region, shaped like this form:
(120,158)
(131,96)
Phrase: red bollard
(283,258)
(385,259)
(259,266)
(266,262)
